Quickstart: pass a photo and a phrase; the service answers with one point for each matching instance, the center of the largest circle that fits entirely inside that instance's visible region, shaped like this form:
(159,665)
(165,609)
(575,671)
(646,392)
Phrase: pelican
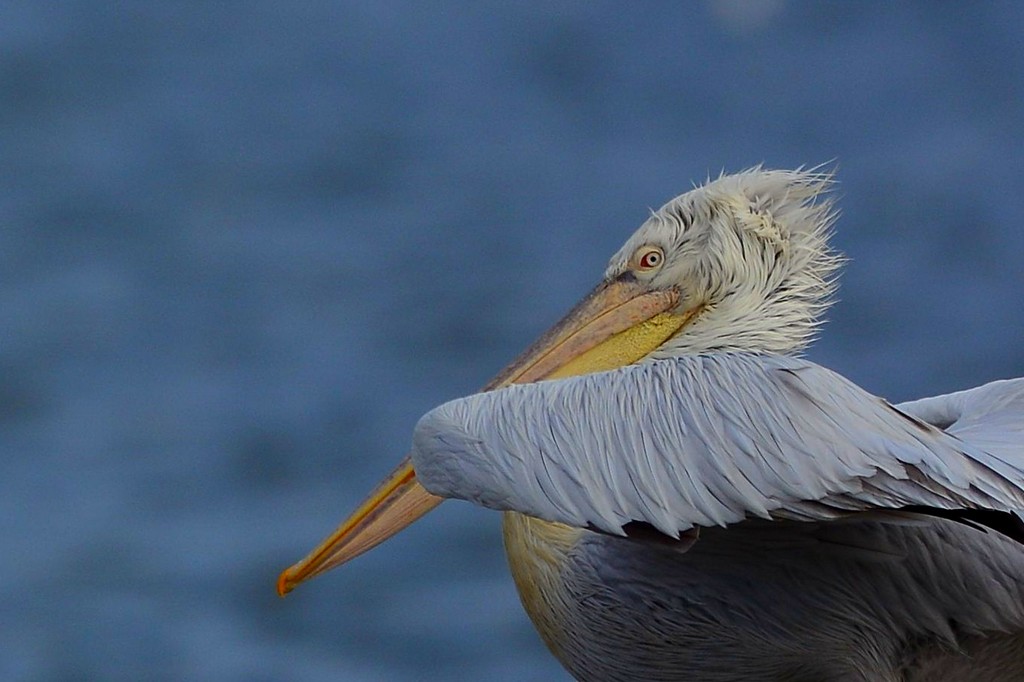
(686,498)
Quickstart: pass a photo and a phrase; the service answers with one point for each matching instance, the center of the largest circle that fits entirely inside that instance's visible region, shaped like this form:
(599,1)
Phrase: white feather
(733,436)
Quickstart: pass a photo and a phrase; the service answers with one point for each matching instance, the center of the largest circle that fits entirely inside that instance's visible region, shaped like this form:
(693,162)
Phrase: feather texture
(711,440)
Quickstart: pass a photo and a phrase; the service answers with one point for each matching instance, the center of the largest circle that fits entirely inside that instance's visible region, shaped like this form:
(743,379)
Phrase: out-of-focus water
(243,246)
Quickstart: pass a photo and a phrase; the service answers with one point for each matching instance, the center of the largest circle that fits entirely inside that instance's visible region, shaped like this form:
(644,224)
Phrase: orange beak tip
(284,584)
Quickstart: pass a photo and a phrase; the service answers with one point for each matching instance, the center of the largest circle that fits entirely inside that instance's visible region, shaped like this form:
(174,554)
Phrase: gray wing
(990,417)
(714,439)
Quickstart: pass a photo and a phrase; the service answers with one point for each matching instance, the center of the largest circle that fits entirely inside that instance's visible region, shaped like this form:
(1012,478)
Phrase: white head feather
(751,250)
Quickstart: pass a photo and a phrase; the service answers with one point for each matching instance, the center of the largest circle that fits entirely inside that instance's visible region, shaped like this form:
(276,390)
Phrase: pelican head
(748,254)
(739,263)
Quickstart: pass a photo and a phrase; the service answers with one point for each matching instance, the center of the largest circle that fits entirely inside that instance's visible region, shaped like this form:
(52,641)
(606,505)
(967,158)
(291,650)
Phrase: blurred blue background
(243,246)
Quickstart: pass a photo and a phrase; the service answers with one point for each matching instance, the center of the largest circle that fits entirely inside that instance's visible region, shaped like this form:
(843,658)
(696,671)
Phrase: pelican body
(687,499)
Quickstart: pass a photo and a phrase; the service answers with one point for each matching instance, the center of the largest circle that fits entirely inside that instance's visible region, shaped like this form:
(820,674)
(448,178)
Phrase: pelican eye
(649,258)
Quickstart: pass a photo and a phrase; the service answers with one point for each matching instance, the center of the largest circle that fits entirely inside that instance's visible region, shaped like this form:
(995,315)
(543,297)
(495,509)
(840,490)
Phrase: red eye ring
(650,258)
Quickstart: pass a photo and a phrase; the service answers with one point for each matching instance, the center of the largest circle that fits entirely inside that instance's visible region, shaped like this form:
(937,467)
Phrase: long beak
(618,323)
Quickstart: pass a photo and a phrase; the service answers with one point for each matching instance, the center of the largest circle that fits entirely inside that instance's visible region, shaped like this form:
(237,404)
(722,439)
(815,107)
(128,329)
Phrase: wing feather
(717,438)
